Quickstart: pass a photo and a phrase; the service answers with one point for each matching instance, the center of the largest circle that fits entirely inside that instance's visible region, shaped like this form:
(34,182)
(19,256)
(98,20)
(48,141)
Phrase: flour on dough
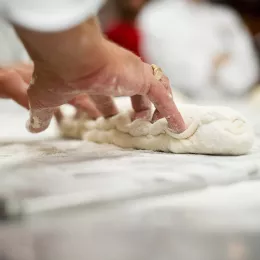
(211,130)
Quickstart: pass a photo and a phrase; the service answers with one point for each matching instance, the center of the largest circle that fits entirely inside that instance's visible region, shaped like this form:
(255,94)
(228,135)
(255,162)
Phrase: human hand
(14,82)
(87,71)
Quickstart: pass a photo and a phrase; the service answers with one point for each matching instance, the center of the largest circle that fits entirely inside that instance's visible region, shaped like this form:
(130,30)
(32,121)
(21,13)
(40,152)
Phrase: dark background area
(250,12)
(244,6)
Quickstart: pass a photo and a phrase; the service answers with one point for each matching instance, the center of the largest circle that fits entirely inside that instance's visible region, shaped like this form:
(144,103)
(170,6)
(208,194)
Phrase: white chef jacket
(183,38)
(48,15)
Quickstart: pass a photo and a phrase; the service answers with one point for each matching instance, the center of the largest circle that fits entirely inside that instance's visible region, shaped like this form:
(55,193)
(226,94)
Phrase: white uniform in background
(184,38)
(38,15)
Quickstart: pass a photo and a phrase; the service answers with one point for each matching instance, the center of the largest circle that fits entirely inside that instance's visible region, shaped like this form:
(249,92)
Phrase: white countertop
(45,172)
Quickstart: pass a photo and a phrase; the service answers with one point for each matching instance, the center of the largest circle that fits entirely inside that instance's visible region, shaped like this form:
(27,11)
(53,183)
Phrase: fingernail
(33,124)
(178,129)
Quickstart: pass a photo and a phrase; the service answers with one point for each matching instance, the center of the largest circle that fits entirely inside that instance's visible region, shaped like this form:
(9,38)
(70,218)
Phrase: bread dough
(211,130)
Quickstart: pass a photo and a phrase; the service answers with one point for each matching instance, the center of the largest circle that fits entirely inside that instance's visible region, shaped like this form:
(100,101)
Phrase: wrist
(66,52)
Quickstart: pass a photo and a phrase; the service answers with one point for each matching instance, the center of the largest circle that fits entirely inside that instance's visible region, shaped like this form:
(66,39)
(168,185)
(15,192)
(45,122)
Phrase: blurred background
(208,49)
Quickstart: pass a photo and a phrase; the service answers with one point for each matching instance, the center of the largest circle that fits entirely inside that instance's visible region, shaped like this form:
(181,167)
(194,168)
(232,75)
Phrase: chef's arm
(71,58)
(58,31)
(65,51)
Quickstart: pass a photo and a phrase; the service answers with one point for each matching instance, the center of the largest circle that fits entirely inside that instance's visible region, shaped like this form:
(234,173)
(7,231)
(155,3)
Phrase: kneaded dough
(211,130)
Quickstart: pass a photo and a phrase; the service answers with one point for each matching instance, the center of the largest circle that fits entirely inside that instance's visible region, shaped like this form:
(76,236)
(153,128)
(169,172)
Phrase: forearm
(64,52)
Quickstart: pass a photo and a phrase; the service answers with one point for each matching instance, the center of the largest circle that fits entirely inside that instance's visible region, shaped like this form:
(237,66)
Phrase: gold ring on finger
(157,72)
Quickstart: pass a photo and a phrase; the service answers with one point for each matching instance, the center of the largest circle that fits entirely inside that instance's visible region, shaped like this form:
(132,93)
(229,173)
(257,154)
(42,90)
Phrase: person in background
(205,49)
(123,30)
(248,9)
(250,13)
(73,63)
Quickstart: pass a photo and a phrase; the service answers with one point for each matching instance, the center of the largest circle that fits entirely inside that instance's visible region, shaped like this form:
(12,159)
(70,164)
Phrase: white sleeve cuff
(50,15)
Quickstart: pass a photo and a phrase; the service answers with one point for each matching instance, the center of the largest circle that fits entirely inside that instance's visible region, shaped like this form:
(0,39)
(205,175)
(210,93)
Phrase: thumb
(41,112)
(40,119)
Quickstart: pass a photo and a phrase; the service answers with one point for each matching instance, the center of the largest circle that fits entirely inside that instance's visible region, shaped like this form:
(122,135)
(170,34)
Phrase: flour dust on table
(210,130)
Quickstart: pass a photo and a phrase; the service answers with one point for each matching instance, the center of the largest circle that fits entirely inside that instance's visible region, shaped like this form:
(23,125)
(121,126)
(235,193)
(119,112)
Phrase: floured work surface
(210,130)
(124,203)
(43,172)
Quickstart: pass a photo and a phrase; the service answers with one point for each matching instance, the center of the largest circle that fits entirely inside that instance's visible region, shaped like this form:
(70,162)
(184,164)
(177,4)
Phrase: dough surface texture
(211,130)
